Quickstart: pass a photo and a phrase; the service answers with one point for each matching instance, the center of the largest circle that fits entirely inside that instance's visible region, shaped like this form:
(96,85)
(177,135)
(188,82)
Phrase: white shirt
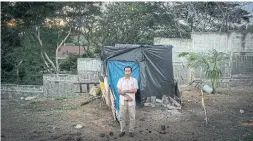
(127,84)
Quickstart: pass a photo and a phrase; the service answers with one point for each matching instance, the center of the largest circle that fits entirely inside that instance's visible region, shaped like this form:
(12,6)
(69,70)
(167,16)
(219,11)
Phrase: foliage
(211,63)
(96,24)
(70,64)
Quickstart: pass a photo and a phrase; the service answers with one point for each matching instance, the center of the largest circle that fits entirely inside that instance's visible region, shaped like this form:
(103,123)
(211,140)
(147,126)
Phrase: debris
(102,134)
(147,104)
(159,101)
(149,131)
(78,126)
(174,102)
(89,100)
(153,101)
(165,100)
(94,91)
(241,111)
(30,98)
(170,107)
(207,89)
(248,123)
(148,100)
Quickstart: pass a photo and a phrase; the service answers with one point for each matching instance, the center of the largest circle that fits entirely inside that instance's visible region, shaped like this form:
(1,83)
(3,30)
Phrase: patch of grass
(60,98)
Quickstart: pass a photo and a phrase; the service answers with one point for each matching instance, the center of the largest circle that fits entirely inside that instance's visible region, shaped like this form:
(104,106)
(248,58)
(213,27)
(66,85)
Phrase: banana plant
(210,62)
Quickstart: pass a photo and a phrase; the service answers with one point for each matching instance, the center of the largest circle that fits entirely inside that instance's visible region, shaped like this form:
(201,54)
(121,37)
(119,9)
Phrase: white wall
(88,64)
(230,43)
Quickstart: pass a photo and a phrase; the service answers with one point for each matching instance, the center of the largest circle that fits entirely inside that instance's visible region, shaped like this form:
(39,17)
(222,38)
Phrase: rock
(147,104)
(241,111)
(111,134)
(142,119)
(163,127)
(22,98)
(30,97)
(150,131)
(102,134)
(162,132)
(78,126)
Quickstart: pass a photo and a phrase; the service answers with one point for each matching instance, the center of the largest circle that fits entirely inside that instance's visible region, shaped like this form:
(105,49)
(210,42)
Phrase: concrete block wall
(18,91)
(65,85)
(238,46)
(88,64)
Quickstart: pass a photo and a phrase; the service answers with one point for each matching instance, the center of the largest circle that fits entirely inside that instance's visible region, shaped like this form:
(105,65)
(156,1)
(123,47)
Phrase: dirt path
(54,120)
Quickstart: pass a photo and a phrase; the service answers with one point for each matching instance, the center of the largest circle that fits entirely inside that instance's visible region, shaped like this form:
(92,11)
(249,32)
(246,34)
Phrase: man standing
(127,87)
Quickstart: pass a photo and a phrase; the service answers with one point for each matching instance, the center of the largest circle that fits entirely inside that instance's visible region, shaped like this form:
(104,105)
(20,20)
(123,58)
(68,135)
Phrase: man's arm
(134,90)
(121,92)
(119,87)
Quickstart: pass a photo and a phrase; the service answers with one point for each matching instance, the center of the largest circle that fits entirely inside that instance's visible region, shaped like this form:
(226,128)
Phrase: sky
(249,7)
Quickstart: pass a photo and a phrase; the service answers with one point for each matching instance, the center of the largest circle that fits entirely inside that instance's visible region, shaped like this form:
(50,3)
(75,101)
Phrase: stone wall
(18,91)
(239,47)
(65,85)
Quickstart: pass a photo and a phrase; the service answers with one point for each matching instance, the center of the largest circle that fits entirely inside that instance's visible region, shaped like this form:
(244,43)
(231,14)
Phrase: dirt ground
(55,120)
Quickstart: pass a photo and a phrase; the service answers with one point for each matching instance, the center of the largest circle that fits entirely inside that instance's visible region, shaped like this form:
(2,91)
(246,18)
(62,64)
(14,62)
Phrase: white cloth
(127,84)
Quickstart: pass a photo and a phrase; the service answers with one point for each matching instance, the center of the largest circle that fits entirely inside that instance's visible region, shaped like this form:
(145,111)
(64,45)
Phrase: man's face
(127,72)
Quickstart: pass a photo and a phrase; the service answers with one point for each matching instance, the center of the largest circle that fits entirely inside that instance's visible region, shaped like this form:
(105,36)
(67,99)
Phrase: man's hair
(128,67)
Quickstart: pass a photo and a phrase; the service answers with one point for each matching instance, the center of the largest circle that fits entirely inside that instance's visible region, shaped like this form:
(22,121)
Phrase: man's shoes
(131,134)
(121,134)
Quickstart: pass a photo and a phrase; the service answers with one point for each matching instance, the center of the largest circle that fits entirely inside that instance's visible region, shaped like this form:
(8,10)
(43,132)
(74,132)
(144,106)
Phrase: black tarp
(156,68)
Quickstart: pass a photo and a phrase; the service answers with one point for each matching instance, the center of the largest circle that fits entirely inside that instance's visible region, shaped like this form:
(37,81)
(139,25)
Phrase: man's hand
(129,98)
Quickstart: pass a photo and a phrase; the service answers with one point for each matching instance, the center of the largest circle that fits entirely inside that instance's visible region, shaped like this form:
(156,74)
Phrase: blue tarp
(116,71)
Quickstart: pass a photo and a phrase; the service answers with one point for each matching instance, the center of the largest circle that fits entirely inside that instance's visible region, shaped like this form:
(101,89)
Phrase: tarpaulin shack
(151,66)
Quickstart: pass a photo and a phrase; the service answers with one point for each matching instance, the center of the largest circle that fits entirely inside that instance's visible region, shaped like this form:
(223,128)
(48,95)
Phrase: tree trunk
(45,58)
(57,49)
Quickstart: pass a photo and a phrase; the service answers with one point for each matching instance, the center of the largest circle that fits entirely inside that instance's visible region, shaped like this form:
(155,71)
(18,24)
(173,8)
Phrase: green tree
(210,63)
